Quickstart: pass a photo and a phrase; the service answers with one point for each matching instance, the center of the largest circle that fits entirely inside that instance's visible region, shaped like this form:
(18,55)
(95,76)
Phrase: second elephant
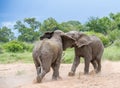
(90,48)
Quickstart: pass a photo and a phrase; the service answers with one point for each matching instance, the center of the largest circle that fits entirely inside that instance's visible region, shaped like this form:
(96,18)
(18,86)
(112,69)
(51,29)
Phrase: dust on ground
(22,75)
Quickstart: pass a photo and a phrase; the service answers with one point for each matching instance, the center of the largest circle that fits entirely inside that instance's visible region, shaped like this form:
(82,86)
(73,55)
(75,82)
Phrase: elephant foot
(56,78)
(71,74)
(97,71)
(93,72)
(38,79)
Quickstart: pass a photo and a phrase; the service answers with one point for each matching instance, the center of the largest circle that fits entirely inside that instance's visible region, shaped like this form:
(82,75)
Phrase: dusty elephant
(47,53)
(90,48)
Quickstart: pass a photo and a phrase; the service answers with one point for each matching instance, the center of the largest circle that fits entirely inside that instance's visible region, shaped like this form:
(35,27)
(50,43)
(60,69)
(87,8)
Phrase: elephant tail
(39,61)
(39,57)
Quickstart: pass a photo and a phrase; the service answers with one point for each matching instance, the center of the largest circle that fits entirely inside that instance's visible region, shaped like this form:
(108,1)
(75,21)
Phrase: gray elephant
(47,53)
(90,48)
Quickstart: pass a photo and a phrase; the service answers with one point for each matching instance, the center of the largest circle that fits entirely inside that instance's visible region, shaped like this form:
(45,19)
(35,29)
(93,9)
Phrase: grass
(110,53)
(6,57)
(68,56)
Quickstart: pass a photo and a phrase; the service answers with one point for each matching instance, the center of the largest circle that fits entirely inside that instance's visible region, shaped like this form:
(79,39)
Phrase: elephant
(90,48)
(48,51)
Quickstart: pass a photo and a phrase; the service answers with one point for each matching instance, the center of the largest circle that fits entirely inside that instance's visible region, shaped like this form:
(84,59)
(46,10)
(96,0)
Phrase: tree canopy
(30,29)
(6,34)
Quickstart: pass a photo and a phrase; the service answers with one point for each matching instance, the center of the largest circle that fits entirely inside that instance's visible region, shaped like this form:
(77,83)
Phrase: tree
(33,23)
(49,24)
(6,34)
(71,25)
(115,20)
(29,32)
(101,25)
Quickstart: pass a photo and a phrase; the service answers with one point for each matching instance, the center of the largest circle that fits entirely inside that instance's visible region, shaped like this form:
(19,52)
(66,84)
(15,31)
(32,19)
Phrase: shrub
(14,46)
(1,50)
(103,38)
(68,56)
(114,35)
(28,47)
(117,42)
(112,53)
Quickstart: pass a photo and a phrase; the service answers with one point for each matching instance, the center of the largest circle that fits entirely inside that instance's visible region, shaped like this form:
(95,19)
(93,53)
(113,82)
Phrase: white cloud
(11,26)
(8,24)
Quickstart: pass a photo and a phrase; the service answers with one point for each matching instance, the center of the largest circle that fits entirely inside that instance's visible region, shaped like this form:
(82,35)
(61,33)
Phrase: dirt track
(19,75)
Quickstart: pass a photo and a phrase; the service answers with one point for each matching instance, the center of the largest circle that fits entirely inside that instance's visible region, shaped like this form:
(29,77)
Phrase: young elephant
(90,48)
(47,53)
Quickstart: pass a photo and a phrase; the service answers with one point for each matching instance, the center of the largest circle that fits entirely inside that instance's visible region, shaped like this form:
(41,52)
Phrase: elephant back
(50,48)
(96,45)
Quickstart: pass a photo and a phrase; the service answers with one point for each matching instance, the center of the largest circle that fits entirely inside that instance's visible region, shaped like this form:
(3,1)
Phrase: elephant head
(48,35)
(81,39)
(66,40)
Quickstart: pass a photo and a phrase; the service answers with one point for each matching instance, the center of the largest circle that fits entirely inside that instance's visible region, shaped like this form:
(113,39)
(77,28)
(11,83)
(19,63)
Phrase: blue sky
(61,10)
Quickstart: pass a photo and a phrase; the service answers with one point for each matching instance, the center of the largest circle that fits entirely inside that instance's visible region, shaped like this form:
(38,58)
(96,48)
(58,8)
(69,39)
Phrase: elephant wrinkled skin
(90,48)
(47,53)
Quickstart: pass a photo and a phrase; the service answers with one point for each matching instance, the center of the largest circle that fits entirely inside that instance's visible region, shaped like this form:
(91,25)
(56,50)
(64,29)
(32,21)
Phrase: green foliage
(49,24)
(14,46)
(103,38)
(68,56)
(17,46)
(28,46)
(99,25)
(115,20)
(112,53)
(114,35)
(1,49)
(117,43)
(8,57)
(28,33)
(32,23)
(71,25)
(6,34)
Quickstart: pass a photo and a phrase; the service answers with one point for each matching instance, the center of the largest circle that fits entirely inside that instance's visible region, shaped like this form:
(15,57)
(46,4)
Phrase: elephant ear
(48,35)
(67,41)
(83,40)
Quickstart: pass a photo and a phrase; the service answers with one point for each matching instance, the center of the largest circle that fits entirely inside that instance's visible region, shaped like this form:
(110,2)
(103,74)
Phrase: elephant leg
(99,65)
(94,64)
(74,66)
(45,68)
(40,76)
(38,70)
(55,67)
(86,69)
(37,65)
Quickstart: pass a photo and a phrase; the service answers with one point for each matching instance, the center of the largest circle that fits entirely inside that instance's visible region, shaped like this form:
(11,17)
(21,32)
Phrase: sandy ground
(20,75)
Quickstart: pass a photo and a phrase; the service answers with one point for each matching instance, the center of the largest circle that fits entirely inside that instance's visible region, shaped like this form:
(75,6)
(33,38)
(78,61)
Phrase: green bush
(112,53)
(114,35)
(14,46)
(1,50)
(103,38)
(117,42)
(68,56)
(28,47)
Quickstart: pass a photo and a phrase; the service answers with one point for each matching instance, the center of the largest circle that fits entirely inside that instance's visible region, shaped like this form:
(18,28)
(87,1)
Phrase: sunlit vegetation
(19,48)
